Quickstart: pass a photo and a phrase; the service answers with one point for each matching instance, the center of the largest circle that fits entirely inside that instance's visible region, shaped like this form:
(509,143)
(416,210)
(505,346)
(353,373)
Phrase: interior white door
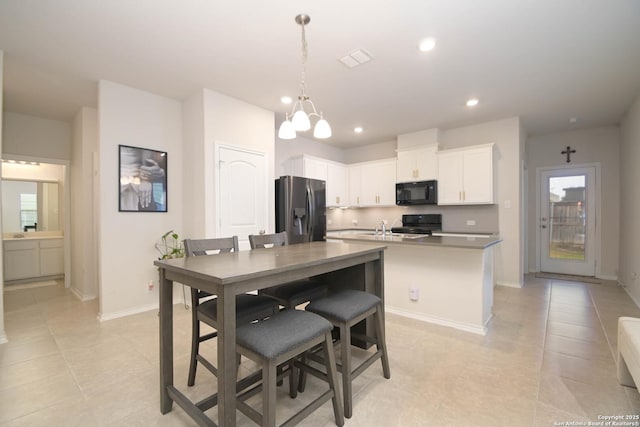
(567,222)
(242,193)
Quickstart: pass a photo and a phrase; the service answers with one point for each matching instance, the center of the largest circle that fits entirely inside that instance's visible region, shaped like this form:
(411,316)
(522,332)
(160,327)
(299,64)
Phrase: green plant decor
(170,246)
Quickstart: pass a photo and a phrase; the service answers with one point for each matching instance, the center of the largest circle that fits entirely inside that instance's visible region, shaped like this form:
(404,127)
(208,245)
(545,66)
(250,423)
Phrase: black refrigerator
(300,208)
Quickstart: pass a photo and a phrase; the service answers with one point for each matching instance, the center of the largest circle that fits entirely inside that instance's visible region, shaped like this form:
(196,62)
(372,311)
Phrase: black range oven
(419,224)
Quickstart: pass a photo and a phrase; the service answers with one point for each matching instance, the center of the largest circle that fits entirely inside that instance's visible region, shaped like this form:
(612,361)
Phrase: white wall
(598,145)
(629,270)
(505,134)
(84,269)
(133,117)
(233,122)
(379,151)
(3,335)
(194,161)
(35,137)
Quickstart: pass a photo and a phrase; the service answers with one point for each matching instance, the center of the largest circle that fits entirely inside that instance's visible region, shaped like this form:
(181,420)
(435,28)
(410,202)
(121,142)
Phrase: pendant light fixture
(299,119)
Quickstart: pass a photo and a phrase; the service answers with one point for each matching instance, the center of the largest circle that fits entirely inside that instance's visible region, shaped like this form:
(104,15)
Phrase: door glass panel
(567,217)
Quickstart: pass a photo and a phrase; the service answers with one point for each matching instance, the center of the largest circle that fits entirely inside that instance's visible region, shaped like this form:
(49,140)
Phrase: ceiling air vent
(355,58)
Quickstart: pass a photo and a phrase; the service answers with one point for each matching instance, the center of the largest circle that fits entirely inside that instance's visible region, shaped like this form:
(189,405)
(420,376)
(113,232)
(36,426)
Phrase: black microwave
(417,193)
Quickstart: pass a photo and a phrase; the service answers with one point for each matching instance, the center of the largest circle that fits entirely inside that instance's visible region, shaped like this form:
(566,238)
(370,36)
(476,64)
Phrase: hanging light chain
(303,92)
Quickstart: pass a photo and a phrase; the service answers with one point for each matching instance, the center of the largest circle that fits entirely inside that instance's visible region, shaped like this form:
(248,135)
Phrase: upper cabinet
(465,176)
(418,164)
(337,184)
(334,174)
(373,183)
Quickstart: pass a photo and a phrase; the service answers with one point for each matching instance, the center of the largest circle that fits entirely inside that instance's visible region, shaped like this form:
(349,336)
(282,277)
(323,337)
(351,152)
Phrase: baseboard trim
(467,327)
(607,277)
(83,298)
(124,313)
(509,284)
(3,339)
(626,289)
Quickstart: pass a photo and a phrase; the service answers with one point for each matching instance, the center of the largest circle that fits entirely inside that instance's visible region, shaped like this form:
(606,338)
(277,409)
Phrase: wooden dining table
(342,265)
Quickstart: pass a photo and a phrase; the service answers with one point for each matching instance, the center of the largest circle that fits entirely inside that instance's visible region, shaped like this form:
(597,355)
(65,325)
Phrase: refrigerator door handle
(310,212)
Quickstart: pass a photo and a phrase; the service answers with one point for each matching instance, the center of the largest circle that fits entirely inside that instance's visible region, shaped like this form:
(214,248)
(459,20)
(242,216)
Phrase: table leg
(166,341)
(226,357)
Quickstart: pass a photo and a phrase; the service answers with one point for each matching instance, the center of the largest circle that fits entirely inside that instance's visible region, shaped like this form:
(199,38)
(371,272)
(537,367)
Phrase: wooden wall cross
(568,152)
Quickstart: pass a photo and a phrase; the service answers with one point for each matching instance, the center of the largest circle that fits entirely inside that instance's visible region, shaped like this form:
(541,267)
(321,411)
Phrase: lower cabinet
(32,258)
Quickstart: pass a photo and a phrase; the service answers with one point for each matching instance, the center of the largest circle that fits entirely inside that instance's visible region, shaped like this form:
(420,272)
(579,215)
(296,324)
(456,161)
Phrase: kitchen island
(446,280)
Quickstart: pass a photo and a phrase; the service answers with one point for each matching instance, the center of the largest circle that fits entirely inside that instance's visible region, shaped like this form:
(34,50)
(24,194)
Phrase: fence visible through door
(567,220)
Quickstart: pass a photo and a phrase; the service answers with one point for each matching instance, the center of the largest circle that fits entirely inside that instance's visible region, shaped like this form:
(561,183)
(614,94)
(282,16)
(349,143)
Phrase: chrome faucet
(383,227)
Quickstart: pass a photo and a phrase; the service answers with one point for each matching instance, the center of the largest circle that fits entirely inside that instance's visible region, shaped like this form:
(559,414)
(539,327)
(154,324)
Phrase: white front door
(242,193)
(567,207)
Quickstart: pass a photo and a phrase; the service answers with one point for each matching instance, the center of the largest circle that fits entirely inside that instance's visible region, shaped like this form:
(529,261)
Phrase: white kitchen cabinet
(333,173)
(377,183)
(355,185)
(419,164)
(465,176)
(337,184)
(33,258)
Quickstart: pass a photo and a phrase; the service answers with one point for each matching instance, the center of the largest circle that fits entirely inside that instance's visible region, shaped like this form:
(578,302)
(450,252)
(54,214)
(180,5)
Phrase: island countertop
(465,242)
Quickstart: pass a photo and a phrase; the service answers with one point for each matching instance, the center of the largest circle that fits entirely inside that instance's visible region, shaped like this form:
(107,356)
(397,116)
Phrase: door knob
(543,226)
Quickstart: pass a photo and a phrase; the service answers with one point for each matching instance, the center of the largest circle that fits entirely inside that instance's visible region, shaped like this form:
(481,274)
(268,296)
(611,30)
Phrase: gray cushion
(249,308)
(282,332)
(344,305)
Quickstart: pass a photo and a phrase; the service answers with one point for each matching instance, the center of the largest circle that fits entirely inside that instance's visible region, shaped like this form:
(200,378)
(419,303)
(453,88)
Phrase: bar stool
(249,308)
(344,309)
(277,340)
(292,294)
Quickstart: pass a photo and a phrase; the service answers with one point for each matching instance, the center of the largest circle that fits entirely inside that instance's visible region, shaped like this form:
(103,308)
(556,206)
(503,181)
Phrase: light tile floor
(548,358)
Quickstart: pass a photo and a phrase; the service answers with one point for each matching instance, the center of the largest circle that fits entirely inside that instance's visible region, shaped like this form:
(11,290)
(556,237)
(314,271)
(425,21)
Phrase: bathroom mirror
(31,204)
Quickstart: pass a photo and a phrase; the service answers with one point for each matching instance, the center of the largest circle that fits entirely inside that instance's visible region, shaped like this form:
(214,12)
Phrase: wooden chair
(344,309)
(249,308)
(289,295)
(273,342)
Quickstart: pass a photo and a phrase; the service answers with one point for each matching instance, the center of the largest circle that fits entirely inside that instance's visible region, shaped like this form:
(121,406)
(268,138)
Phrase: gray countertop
(466,242)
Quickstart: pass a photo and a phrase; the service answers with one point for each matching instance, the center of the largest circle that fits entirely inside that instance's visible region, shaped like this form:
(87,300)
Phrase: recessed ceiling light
(472,102)
(427,44)
(573,120)
(286,100)
(357,129)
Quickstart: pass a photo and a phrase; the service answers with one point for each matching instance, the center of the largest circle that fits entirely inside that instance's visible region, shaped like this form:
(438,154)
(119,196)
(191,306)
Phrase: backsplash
(454,218)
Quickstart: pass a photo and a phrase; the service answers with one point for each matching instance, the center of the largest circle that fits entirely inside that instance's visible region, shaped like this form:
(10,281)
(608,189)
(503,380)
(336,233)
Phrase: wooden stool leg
(345,356)
(302,376)
(332,376)
(269,394)
(195,347)
(381,342)
(293,379)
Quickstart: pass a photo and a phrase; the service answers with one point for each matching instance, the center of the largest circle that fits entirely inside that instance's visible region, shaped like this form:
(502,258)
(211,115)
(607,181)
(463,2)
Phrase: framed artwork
(143,180)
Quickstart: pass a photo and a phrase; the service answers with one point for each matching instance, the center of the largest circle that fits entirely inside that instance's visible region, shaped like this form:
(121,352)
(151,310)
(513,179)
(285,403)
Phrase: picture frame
(143,179)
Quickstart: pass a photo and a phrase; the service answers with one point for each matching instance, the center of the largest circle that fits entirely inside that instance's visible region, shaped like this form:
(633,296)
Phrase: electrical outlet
(150,285)
(329,222)
(354,221)
(471,222)
(634,276)
(414,293)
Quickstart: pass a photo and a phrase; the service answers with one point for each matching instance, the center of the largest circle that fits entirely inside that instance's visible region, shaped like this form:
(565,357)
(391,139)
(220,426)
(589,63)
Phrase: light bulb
(322,130)
(301,121)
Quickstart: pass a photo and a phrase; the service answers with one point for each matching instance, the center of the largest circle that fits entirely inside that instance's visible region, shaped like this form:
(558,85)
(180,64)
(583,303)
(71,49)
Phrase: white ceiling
(544,60)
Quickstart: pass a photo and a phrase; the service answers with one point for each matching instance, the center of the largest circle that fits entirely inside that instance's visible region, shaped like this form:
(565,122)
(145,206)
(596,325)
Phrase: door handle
(543,226)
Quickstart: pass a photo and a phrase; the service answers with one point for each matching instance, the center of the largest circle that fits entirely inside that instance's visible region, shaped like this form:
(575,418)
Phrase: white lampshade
(322,129)
(286,130)
(301,121)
